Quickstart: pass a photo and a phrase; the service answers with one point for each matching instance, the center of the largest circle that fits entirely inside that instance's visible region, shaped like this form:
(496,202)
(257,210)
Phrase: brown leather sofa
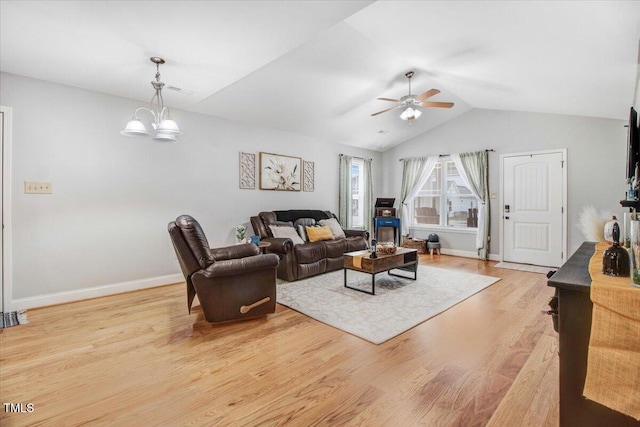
(232,283)
(311,258)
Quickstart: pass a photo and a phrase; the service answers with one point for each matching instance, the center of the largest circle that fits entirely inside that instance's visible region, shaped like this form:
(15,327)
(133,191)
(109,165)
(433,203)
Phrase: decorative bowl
(386,248)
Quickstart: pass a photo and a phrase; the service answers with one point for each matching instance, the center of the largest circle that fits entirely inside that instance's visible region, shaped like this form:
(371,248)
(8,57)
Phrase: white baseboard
(467,254)
(98,291)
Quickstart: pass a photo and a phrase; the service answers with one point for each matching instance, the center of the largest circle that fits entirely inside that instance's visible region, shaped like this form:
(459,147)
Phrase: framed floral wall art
(281,173)
(247,170)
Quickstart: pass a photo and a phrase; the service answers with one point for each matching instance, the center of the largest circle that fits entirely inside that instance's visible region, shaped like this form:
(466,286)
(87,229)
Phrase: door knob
(506,217)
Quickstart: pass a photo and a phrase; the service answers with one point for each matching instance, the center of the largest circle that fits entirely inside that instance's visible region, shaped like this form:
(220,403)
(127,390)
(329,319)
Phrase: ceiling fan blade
(427,94)
(437,104)
(388,99)
(388,109)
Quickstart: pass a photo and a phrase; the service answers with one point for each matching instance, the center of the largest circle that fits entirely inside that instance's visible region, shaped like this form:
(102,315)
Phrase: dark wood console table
(573,284)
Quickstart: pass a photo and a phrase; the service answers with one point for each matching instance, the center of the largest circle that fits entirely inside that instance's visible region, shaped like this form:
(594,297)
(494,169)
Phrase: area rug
(525,267)
(398,305)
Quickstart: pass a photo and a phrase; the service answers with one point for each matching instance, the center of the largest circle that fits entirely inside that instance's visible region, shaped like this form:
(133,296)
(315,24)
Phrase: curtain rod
(355,157)
(444,155)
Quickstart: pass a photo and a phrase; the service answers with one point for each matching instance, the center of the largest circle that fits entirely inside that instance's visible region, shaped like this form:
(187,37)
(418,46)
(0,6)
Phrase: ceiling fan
(412,101)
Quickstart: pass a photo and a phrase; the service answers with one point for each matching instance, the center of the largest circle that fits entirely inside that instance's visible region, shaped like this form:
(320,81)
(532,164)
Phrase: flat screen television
(633,143)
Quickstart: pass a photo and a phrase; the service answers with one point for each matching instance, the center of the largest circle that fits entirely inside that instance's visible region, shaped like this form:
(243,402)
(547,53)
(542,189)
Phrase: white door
(533,208)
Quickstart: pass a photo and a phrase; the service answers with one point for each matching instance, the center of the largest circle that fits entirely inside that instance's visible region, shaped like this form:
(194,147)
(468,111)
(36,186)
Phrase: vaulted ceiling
(317,67)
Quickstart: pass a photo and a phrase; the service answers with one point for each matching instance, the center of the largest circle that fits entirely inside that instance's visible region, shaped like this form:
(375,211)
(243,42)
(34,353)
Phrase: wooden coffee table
(402,259)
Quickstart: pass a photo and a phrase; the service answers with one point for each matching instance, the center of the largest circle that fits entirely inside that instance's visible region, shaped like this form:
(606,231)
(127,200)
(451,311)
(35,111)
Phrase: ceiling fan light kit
(410,114)
(165,129)
(412,102)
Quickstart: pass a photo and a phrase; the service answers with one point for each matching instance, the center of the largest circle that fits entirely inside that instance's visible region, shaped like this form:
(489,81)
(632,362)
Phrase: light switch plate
(37,187)
(493,196)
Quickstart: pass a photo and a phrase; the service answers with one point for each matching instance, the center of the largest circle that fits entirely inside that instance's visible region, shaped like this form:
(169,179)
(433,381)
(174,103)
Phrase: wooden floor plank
(140,359)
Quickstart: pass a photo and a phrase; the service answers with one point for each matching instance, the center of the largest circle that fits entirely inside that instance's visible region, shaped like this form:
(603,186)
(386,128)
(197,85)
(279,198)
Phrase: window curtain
(474,171)
(367,197)
(344,191)
(415,173)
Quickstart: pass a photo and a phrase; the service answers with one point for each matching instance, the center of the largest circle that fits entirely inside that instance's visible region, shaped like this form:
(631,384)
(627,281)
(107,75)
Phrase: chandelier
(164,128)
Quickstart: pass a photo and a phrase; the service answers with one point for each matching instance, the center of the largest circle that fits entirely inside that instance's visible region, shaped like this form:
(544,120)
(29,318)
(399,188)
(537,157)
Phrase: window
(445,200)
(357,190)
(354,192)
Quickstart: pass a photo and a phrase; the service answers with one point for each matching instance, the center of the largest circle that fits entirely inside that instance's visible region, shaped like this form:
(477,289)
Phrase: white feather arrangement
(592,223)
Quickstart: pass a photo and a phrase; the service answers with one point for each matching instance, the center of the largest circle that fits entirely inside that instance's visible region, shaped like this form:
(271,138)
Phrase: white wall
(596,160)
(104,228)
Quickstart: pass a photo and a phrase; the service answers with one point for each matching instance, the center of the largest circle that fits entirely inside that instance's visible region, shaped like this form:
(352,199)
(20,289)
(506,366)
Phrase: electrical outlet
(33,187)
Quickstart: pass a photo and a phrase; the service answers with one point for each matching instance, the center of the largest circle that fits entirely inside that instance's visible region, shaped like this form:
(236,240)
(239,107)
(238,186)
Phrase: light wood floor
(140,359)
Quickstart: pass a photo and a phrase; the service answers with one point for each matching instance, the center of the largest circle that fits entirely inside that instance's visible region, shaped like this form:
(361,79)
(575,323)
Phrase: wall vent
(178,89)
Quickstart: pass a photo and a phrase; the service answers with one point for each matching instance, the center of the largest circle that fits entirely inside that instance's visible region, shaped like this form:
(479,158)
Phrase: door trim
(562,151)
(7,247)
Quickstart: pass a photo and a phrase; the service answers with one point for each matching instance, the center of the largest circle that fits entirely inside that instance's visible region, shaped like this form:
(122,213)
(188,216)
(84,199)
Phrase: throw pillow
(316,234)
(302,232)
(269,223)
(286,232)
(300,225)
(334,225)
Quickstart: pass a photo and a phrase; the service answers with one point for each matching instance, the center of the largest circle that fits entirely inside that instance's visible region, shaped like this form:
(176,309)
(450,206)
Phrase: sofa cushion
(269,218)
(355,243)
(196,240)
(302,233)
(310,252)
(286,232)
(334,225)
(335,248)
(317,234)
(300,225)
(282,223)
(333,264)
(312,269)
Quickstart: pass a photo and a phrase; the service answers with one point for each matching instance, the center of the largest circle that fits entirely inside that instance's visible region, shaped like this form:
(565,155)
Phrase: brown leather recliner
(232,283)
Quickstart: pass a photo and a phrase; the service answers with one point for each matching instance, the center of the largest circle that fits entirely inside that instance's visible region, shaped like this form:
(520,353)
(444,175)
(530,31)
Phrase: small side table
(388,222)
(263,246)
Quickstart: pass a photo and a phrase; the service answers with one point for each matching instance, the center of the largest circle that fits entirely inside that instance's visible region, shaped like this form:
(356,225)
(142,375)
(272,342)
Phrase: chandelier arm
(155,108)
(135,115)
(161,107)
(165,114)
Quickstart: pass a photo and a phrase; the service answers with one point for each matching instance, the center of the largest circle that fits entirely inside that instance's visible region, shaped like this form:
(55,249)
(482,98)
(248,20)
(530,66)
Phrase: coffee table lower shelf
(404,259)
